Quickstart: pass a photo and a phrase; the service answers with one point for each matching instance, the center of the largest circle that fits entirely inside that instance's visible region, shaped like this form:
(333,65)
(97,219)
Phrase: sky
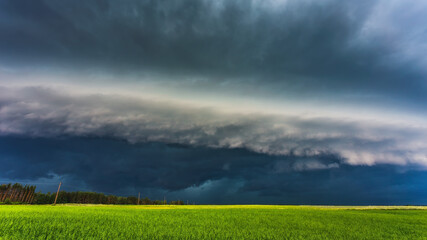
(217,102)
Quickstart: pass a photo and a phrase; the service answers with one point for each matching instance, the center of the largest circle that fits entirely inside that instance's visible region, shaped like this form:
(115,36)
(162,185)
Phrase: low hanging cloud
(49,113)
(200,174)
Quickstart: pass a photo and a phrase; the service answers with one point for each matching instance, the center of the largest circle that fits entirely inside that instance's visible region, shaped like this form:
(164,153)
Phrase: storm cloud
(203,175)
(41,112)
(354,50)
(265,101)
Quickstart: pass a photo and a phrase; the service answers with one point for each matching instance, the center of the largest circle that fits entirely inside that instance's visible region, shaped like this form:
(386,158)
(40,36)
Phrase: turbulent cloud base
(43,112)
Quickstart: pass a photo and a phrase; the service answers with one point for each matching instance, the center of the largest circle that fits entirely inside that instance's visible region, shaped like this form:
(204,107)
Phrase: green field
(211,222)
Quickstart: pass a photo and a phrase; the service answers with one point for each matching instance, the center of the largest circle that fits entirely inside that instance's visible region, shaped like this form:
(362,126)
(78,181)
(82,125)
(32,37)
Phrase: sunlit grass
(74,221)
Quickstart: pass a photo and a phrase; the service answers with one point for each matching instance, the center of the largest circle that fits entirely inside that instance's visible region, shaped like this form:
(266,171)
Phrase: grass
(211,222)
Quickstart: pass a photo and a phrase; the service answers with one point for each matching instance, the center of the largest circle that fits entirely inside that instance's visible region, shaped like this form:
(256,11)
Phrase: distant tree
(18,193)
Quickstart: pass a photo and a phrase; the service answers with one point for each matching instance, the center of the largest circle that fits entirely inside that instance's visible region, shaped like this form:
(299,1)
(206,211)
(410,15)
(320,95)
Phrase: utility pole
(139,196)
(57,192)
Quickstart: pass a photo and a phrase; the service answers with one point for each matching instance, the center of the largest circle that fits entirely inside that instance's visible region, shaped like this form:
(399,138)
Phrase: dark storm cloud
(155,165)
(187,35)
(44,112)
(301,46)
(201,174)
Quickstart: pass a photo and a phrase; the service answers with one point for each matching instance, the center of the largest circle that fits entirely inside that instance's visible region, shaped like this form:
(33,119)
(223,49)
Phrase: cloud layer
(351,51)
(44,112)
(202,175)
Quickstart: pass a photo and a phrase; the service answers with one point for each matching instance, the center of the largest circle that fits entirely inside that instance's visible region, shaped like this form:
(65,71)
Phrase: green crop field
(211,222)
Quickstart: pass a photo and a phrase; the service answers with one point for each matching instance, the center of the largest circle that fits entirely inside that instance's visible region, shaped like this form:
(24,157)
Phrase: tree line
(18,193)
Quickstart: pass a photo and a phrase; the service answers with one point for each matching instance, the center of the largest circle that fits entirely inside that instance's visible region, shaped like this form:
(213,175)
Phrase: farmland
(211,222)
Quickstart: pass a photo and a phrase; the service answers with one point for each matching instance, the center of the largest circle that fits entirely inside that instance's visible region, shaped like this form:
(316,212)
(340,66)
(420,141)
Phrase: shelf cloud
(43,112)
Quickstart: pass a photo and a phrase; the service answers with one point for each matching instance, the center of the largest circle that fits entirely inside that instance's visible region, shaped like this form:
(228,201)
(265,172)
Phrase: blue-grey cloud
(299,48)
(201,174)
